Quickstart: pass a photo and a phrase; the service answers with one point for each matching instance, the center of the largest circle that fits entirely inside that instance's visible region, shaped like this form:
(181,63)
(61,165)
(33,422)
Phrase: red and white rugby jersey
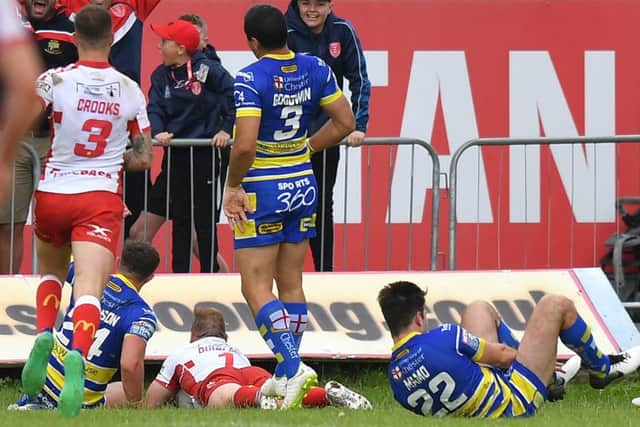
(188,367)
(94,110)
(11,29)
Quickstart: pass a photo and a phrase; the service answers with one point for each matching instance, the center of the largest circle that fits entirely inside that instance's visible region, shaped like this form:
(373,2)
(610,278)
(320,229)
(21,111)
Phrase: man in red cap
(191,97)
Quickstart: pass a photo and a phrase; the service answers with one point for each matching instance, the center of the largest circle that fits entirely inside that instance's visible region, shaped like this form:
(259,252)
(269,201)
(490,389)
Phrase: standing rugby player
(95,111)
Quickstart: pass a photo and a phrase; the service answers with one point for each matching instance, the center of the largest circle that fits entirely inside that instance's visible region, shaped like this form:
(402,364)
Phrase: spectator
(126,56)
(208,49)
(191,96)
(53,32)
(149,224)
(19,68)
(314,29)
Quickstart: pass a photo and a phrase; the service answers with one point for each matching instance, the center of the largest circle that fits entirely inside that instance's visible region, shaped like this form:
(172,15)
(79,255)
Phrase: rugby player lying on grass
(473,369)
(216,375)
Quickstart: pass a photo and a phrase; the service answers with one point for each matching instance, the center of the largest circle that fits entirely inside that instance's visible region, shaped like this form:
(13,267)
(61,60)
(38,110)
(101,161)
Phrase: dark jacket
(211,53)
(192,109)
(338,45)
(56,46)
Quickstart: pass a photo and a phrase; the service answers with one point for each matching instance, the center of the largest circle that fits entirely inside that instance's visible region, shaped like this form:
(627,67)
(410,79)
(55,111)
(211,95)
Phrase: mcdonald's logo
(85,327)
(54,297)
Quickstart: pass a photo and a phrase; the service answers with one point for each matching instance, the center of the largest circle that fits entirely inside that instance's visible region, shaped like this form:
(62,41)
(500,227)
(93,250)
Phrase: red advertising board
(447,71)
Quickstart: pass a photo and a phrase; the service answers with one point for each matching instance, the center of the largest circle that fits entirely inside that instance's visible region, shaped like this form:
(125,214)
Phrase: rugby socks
(316,397)
(86,321)
(273,324)
(578,338)
(246,397)
(297,313)
(48,298)
(506,337)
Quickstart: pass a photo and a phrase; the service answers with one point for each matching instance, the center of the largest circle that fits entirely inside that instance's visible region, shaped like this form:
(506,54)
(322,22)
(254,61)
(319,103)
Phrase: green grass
(582,407)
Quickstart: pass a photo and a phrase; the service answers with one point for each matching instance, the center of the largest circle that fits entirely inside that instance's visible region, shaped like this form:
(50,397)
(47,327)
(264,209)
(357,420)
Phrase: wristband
(313,150)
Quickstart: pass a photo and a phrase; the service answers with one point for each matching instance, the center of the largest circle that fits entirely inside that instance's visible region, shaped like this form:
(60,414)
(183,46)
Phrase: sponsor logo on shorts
(99,232)
(270,228)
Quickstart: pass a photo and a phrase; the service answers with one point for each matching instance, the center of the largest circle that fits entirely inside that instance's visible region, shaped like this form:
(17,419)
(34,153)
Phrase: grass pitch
(582,407)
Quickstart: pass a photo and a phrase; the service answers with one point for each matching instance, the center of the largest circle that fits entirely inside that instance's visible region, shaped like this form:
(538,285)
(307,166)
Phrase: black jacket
(338,45)
(192,109)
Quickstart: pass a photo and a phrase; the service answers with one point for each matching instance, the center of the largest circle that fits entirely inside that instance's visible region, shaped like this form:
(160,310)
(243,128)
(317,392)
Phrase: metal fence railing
(527,142)
(342,201)
(359,172)
(484,142)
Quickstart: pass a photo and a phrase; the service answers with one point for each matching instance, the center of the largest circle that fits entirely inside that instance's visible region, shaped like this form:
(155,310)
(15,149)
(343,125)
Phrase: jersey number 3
(99,131)
(291,116)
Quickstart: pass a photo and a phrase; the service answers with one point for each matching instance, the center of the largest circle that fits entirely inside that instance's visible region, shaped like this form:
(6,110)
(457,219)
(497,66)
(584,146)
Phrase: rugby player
(127,323)
(270,193)
(95,111)
(214,374)
(466,370)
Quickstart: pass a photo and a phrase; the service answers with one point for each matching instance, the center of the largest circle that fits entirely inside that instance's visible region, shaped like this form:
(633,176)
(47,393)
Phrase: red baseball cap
(181,32)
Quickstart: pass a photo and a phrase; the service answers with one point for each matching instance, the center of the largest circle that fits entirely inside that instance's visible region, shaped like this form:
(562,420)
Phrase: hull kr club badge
(334,49)
(196,88)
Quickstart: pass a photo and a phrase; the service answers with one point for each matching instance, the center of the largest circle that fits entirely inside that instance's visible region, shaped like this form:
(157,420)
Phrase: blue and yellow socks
(578,338)
(297,312)
(506,337)
(273,324)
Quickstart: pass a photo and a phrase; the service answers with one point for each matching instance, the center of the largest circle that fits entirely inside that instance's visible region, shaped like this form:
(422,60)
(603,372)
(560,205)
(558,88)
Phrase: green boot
(35,370)
(73,389)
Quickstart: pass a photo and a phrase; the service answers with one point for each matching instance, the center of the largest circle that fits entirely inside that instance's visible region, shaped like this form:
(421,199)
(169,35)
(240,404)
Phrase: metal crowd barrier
(484,142)
(366,147)
(216,194)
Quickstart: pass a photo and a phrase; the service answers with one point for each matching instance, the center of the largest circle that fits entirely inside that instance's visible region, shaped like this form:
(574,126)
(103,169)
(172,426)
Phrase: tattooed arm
(139,156)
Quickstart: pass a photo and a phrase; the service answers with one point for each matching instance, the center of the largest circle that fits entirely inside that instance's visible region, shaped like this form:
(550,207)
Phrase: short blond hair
(208,322)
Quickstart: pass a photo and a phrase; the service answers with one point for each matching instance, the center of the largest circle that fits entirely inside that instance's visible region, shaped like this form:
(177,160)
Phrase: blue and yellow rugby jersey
(285,91)
(436,373)
(123,312)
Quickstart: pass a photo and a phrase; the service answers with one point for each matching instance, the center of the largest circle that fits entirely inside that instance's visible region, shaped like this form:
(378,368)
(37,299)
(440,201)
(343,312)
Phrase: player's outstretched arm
(140,155)
(341,123)
(132,368)
(157,395)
